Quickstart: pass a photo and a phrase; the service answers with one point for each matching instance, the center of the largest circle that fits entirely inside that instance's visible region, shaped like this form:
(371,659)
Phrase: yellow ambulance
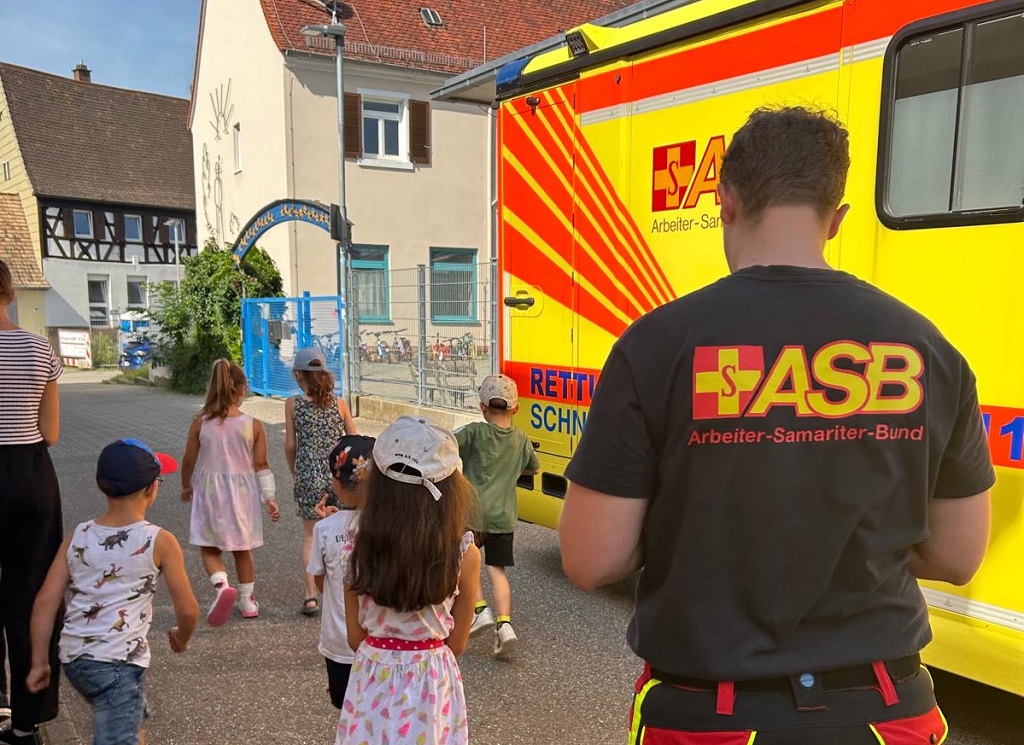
(609,149)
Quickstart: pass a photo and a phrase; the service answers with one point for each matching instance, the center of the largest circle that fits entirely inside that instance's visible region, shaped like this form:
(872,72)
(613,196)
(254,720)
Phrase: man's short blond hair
(787,157)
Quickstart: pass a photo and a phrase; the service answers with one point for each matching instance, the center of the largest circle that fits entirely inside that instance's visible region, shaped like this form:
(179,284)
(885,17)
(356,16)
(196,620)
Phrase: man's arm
(601,536)
(958,536)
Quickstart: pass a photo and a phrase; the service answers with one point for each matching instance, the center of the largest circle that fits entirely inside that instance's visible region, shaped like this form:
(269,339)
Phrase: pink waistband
(403,645)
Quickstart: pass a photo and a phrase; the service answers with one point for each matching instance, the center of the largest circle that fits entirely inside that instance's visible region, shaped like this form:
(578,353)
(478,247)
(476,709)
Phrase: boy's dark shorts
(497,548)
(337,681)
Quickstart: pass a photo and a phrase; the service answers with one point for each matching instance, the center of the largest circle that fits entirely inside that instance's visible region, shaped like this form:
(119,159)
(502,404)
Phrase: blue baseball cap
(349,457)
(127,466)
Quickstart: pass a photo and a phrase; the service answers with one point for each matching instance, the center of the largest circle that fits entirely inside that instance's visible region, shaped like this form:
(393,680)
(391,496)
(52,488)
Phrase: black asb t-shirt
(789,426)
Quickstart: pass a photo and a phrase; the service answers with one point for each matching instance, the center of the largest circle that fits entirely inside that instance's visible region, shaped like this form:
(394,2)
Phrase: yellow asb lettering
(848,381)
(706,181)
(791,381)
(880,372)
(791,365)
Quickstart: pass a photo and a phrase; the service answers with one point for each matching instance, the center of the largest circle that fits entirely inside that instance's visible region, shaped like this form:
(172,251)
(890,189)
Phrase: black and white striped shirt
(27,364)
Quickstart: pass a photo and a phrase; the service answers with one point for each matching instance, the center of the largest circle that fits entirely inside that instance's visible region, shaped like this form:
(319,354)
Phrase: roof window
(431,17)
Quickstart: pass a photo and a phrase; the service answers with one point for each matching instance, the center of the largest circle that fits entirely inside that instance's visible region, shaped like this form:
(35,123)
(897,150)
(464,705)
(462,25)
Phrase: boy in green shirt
(494,454)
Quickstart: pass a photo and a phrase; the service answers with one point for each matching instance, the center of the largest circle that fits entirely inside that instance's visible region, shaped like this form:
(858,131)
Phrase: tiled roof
(16,244)
(392,32)
(98,143)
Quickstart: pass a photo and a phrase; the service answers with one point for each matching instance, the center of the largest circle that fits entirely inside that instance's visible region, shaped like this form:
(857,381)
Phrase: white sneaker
(482,620)
(223,604)
(505,641)
(248,607)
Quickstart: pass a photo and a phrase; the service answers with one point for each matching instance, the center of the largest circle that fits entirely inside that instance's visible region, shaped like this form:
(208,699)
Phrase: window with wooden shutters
(419,132)
(353,125)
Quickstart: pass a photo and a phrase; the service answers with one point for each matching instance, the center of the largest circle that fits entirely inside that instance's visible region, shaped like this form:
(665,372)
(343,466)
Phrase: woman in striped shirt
(31,526)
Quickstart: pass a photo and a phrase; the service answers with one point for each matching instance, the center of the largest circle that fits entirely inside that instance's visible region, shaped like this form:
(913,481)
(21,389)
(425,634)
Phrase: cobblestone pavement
(262,681)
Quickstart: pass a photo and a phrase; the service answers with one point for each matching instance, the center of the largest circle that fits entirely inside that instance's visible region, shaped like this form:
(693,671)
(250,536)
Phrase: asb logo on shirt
(840,379)
(679,181)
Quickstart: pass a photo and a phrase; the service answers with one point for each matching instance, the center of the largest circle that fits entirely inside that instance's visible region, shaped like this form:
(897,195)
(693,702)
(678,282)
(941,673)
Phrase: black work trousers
(31,531)
(665,714)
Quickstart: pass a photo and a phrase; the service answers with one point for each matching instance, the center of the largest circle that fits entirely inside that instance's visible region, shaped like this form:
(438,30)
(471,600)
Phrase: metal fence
(426,335)
(275,328)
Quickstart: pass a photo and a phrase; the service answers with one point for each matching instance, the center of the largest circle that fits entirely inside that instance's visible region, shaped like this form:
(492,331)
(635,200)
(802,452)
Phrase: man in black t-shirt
(783,453)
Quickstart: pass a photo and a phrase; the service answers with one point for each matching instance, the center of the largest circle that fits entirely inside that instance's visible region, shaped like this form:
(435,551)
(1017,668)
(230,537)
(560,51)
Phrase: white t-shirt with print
(326,559)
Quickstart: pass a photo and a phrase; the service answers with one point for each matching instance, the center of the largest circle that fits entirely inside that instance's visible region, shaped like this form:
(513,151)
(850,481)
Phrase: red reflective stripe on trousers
(654,736)
(929,728)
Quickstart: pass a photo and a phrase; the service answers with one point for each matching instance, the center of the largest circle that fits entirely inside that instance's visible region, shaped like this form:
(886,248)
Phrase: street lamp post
(336,31)
(176,224)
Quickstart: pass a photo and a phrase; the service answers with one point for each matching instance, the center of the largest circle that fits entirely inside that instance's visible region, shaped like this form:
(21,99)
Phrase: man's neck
(788,236)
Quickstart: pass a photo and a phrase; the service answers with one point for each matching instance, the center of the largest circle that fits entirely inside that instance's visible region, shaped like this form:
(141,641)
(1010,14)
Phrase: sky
(148,45)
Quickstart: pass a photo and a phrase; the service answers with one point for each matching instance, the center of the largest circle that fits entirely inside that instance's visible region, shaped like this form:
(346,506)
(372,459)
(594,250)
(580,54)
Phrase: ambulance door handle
(519,302)
(536,444)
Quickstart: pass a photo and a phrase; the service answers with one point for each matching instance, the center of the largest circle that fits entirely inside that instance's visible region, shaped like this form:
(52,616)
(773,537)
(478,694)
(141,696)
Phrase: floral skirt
(398,697)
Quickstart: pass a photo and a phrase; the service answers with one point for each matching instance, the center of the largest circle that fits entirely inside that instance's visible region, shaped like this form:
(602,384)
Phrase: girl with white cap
(412,578)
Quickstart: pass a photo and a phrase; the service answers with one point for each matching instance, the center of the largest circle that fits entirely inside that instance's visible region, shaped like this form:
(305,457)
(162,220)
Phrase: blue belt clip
(808,692)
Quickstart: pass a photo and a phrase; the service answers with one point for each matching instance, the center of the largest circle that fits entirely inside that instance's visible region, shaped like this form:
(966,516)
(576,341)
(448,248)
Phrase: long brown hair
(407,553)
(6,282)
(227,387)
(318,385)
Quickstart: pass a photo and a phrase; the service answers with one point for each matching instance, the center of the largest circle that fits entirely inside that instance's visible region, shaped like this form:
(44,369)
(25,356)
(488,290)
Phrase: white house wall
(239,82)
(67,303)
(411,209)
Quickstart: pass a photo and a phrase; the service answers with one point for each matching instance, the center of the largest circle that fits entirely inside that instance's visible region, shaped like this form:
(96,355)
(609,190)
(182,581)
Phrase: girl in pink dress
(225,475)
(412,574)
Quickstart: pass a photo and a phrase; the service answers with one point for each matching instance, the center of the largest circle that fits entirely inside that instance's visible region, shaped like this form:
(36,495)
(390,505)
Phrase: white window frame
(401,161)
(142,282)
(105,279)
(237,144)
(74,225)
(135,219)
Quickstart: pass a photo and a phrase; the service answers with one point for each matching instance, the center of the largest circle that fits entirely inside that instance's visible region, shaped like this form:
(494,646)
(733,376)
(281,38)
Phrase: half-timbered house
(103,177)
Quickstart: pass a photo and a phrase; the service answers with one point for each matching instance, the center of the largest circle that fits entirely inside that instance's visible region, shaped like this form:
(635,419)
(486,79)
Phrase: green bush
(201,321)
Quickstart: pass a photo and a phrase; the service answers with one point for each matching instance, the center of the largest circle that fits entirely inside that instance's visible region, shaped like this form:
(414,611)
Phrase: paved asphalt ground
(262,681)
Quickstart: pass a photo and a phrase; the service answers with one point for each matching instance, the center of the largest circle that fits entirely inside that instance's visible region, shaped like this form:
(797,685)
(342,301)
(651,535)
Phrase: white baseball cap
(418,443)
(501,387)
(309,359)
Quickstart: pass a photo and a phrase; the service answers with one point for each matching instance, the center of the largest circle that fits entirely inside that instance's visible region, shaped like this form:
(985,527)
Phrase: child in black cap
(347,464)
(106,571)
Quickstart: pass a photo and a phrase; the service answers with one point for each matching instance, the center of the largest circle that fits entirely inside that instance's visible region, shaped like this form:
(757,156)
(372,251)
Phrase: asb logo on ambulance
(838,380)
(679,181)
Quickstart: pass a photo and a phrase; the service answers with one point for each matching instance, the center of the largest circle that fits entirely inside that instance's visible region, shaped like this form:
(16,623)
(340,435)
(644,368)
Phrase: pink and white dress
(226,508)
(404,695)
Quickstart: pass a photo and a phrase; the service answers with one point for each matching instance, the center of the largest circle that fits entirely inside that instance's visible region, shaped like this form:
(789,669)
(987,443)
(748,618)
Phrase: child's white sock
(219,578)
(245,591)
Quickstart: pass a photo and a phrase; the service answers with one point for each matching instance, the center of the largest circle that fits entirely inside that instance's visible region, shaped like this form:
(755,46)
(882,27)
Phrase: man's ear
(837,220)
(730,205)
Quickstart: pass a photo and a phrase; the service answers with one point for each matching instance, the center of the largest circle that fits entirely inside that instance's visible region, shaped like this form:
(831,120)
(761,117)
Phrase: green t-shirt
(492,459)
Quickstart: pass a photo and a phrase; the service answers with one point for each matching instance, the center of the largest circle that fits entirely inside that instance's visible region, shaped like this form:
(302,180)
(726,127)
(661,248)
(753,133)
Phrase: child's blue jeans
(115,692)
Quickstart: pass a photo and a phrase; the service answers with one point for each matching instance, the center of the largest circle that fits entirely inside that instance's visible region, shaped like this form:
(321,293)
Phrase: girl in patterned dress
(314,422)
(225,475)
(412,574)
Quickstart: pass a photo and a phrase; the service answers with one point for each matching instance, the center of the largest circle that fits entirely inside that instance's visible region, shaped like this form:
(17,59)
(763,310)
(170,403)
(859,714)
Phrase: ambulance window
(953,153)
(991,169)
(924,124)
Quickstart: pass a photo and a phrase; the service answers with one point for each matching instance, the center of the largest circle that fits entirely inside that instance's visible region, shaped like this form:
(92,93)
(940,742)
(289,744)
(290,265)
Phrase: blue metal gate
(274,329)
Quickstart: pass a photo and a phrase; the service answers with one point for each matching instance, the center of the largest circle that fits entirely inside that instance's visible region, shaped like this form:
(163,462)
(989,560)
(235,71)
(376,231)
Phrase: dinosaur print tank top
(109,600)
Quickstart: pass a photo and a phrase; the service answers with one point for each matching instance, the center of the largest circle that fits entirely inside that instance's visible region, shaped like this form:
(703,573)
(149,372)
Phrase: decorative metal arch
(281,211)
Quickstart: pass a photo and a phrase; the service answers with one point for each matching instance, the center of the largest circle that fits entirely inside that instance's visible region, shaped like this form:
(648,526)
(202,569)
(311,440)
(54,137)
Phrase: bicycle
(401,348)
(329,346)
